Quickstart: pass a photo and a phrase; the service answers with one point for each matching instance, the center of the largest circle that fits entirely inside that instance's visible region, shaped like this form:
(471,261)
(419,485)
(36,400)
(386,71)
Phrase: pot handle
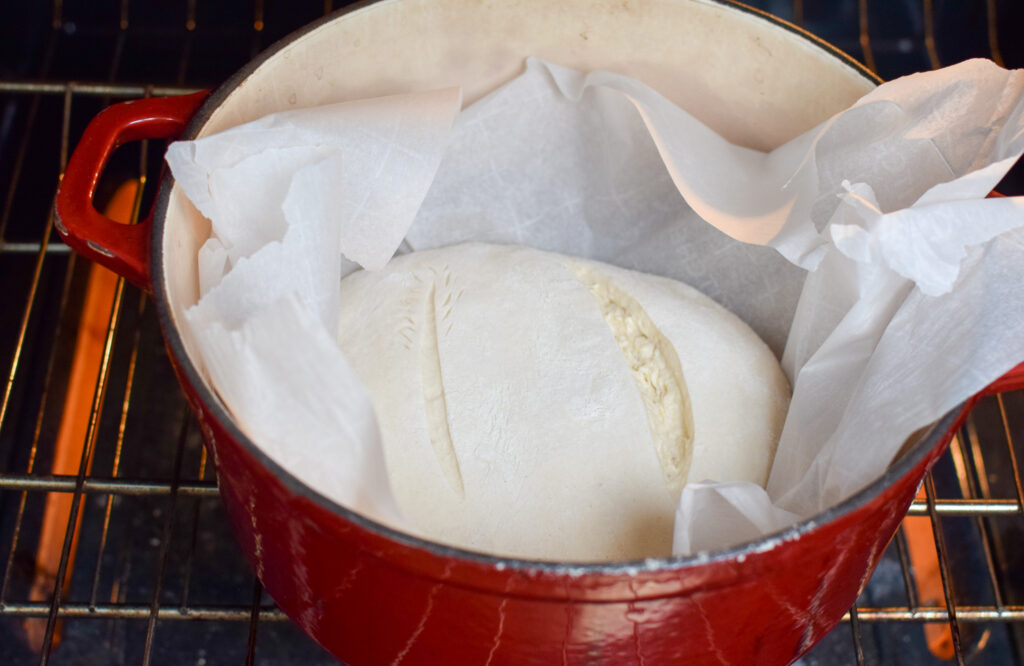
(122,248)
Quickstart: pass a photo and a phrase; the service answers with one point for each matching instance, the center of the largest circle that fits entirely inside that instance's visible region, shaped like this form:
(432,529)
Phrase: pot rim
(214,407)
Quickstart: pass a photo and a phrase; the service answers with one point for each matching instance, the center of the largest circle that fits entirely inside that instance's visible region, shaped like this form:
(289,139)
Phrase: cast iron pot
(372,595)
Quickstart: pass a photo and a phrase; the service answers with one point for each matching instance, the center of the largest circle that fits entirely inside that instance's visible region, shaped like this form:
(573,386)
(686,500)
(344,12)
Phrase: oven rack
(139,542)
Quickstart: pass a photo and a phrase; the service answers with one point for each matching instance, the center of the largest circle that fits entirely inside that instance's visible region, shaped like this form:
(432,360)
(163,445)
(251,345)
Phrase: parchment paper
(863,252)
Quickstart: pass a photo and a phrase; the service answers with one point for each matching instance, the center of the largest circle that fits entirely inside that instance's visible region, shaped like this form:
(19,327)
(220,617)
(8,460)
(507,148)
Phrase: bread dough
(541,406)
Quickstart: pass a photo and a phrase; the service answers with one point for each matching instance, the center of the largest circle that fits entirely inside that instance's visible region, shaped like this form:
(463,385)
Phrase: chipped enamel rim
(215,408)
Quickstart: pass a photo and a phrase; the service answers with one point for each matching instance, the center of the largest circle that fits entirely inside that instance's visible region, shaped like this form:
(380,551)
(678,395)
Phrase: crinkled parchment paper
(863,251)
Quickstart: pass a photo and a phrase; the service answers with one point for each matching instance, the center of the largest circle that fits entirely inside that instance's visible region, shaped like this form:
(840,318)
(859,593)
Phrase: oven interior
(105,485)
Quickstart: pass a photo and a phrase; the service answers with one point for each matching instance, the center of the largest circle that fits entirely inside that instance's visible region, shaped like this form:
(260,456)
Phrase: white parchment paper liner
(912,302)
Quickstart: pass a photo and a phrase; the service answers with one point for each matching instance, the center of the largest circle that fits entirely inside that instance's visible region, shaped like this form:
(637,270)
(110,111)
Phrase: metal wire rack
(113,547)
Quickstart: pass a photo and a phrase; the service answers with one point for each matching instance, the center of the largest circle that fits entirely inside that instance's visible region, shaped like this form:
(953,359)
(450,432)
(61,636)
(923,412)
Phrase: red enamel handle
(122,248)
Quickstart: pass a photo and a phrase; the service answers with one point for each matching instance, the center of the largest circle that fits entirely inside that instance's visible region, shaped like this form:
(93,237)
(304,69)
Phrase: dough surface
(541,406)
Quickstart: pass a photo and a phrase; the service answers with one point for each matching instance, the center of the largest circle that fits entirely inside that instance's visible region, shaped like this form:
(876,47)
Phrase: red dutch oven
(372,595)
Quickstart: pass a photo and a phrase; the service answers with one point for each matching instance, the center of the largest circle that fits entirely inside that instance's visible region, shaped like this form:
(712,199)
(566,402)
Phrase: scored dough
(542,406)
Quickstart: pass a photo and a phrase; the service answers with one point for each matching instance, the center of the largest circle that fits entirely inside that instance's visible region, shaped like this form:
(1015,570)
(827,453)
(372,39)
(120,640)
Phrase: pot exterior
(370,599)
(372,596)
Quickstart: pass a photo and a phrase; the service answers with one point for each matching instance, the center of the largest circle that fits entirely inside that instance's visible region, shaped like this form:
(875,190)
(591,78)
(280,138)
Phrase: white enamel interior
(757,83)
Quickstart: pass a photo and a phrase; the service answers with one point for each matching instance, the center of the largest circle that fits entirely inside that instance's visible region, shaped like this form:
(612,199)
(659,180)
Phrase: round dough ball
(541,406)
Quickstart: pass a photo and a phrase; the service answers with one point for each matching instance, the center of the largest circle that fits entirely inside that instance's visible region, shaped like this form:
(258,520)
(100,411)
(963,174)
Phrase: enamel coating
(370,599)
(122,248)
(371,595)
